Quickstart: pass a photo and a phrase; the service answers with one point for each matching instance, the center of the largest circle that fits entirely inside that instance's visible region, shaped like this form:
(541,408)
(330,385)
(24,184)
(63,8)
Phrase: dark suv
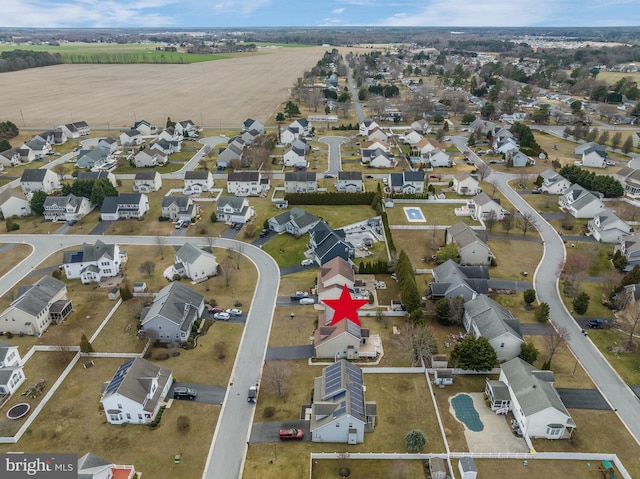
(184,393)
(596,323)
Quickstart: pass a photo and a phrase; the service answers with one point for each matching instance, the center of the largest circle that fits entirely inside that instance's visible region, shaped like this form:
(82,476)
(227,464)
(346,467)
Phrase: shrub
(581,303)
(269,411)
(56,273)
(153,424)
(177,277)
(11,225)
(542,313)
(529,295)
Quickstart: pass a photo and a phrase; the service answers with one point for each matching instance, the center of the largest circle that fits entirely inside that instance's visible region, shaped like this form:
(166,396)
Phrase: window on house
(128,416)
(502,345)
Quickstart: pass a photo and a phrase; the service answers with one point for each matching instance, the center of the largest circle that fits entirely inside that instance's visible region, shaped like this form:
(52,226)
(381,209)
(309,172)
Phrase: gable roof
(176,303)
(244,176)
(463,235)
(133,380)
(197,175)
(492,319)
(339,391)
(349,176)
(89,253)
(31,175)
(235,202)
(33,299)
(300,176)
(189,254)
(145,175)
(110,204)
(181,201)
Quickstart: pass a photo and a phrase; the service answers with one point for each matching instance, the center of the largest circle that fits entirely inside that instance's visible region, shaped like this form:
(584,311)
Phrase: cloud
(337,11)
(234,7)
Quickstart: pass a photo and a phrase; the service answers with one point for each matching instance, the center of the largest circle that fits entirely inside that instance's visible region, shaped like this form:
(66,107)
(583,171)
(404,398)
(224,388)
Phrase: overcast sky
(314,13)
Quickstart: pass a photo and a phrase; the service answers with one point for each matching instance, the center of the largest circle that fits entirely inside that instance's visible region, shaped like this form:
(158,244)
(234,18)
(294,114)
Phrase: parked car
(328,176)
(299,295)
(184,393)
(307,262)
(253,394)
(596,323)
(179,224)
(216,309)
(233,225)
(264,233)
(186,224)
(238,226)
(222,316)
(286,434)
(307,301)
(233,312)
(536,192)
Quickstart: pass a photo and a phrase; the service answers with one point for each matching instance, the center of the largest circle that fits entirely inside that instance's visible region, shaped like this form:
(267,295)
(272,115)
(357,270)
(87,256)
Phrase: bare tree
(227,270)
(576,267)
(527,222)
(147,267)
(631,317)
(210,242)
(313,98)
(490,220)
(418,342)
(160,243)
(555,338)
(275,376)
(236,253)
(609,281)
(483,171)
(67,352)
(508,222)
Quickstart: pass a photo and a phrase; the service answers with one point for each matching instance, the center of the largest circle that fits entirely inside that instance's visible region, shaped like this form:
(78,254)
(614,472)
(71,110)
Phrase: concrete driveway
(263,432)
(206,394)
(583,399)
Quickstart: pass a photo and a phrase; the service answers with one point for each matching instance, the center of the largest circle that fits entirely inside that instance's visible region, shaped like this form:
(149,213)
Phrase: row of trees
(15,60)
(94,191)
(607,185)
(8,130)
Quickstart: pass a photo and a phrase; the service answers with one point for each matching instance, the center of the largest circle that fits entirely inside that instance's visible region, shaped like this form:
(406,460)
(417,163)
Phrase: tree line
(15,60)
(607,185)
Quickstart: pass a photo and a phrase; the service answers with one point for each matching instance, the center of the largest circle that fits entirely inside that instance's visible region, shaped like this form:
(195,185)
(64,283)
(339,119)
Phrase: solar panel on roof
(333,378)
(353,328)
(340,410)
(118,377)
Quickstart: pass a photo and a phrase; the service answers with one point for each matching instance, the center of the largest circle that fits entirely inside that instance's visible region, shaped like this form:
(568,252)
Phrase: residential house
(421,126)
(349,182)
(14,203)
(327,243)
(75,130)
(294,154)
(629,178)
(505,146)
(534,402)
(178,207)
(378,158)
(473,250)
(144,127)
(131,138)
(36,307)
(53,137)
(251,124)
(300,182)
(11,374)
(438,159)
(186,128)
(233,209)
(484,317)
(247,183)
(607,227)
(345,339)
(451,280)
(68,208)
(374,144)
(174,311)
(196,264)
(501,134)
(249,137)
(197,182)
(411,137)
(594,158)
(635,139)
(39,179)
(94,467)
(518,159)
(166,147)
(366,126)
(580,149)
(136,392)
(98,175)
(630,248)
(93,159)
(109,143)
(38,146)
(124,206)
(339,411)
(481,127)
(376,134)
(147,181)
(16,156)
(170,134)
(580,202)
(332,277)
(290,135)
(465,184)
(233,152)
(422,148)
(149,158)
(482,207)
(92,263)
(554,183)
(303,125)
(295,222)
(406,183)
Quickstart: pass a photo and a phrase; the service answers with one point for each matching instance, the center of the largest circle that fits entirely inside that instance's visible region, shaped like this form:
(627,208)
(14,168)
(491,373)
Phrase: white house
(518,159)
(196,264)
(40,179)
(594,158)
(144,127)
(482,206)
(580,202)
(170,134)
(124,206)
(630,247)
(629,178)
(554,183)
(438,158)
(300,182)
(136,392)
(607,227)
(11,374)
(38,146)
(197,182)
(473,250)
(233,209)
(14,203)
(36,307)
(149,157)
(406,183)
(251,124)
(295,221)
(91,466)
(376,134)
(97,175)
(16,156)
(349,182)
(422,148)
(165,147)
(147,181)
(247,183)
(178,207)
(91,263)
(289,135)
(465,184)
(173,312)
(366,126)
(186,128)
(421,126)
(339,412)
(534,402)
(294,154)
(377,158)
(68,208)
(590,146)
(303,125)
(131,138)
(411,137)
(93,159)
(373,144)
(110,144)
(484,317)
(75,130)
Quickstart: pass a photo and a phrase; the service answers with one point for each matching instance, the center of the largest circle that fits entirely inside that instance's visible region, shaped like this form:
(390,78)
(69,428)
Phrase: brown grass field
(209,93)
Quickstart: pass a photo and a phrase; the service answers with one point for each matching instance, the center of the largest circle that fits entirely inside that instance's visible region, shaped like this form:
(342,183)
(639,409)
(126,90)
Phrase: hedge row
(330,198)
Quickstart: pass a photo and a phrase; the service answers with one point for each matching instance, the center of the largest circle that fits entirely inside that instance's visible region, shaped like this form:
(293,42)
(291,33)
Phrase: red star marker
(345,307)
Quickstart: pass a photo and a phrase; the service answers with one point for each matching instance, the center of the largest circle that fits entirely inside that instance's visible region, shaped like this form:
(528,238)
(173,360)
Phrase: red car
(291,434)
(217,309)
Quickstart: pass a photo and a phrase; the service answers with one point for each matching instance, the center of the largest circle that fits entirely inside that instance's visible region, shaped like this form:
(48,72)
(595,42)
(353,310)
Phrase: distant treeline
(125,57)
(15,60)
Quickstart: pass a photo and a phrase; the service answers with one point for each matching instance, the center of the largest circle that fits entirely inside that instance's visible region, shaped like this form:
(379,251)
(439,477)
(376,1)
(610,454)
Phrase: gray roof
(350,175)
(483,199)
(33,299)
(63,201)
(468,464)
(304,220)
(533,394)
(89,253)
(146,175)
(4,349)
(131,133)
(177,303)
(450,275)
(197,175)
(492,319)
(306,176)
(110,203)
(33,175)
(181,201)
(89,464)
(413,175)
(189,254)
(93,175)
(463,235)
(235,202)
(253,176)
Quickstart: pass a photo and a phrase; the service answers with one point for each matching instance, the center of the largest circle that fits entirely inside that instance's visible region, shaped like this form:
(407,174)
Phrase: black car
(184,393)
(596,323)
(264,233)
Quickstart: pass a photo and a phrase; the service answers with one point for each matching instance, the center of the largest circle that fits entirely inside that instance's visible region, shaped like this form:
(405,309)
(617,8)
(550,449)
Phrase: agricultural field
(111,94)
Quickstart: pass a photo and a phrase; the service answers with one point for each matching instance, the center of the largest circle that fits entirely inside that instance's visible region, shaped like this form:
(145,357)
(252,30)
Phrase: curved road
(226,455)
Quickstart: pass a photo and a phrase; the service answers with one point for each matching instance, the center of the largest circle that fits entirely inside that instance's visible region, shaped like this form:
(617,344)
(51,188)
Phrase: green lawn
(435,214)
(286,250)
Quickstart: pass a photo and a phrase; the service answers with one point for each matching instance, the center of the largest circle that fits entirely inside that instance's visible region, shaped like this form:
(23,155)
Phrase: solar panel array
(353,328)
(333,378)
(118,377)
(354,386)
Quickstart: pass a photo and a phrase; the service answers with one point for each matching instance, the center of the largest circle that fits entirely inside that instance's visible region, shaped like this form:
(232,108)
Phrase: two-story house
(295,221)
(349,182)
(68,208)
(473,249)
(147,181)
(247,183)
(233,209)
(465,184)
(76,129)
(16,156)
(327,243)
(14,203)
(11,373)
(366,126)
(98,175)
(149,158)
(91,263)
(580,202)
(124,206)
(251,124)
(197,182)
(194,263)
(553,182)
(93,159)
(144,127)
(177,207)
(300,182)
(451,280)
(40,179)
(294,154)
(406,183)
(131,138)
(607,227)
(629,178)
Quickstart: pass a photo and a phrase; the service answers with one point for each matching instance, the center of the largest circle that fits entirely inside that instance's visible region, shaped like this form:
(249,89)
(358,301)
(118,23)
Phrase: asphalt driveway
(206,394)
(583,399)
(263,432)
(290,352)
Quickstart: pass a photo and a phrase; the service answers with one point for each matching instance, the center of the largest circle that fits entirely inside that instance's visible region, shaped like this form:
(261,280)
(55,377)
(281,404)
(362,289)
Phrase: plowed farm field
(215,93)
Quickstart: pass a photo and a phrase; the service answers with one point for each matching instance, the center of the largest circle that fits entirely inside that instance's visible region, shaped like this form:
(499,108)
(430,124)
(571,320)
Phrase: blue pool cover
(466,412)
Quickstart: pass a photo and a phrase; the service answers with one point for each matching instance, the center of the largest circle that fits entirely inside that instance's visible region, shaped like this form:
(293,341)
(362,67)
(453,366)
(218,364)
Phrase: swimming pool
(466,412)
(414,214)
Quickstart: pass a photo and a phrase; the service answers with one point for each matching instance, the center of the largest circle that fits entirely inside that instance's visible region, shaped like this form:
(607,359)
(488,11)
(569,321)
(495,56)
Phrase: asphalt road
(333,142)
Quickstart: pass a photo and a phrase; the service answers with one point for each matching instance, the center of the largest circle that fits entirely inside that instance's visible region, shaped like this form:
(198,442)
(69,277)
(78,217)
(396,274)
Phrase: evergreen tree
(474,354)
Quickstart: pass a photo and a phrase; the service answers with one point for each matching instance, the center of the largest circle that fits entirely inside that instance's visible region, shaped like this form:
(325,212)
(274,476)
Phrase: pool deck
(496,436)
